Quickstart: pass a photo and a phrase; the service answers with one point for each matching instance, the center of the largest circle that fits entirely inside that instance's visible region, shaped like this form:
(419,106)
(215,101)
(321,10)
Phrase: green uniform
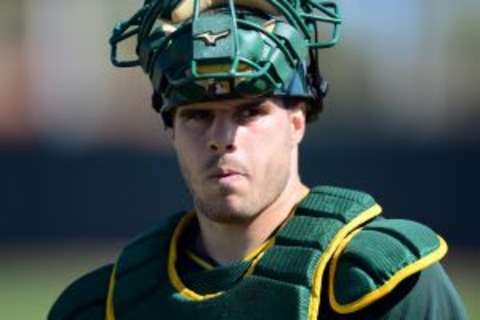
(335,258)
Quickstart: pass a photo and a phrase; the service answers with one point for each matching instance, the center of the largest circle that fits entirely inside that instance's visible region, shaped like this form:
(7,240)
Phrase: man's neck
(228,243)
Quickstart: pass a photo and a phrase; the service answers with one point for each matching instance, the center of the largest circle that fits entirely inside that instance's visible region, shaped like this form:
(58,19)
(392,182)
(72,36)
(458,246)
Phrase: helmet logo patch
(218,88)
(211,38)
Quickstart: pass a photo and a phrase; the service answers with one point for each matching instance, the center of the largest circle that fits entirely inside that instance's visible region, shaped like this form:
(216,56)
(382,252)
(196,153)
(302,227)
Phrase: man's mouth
(225,174)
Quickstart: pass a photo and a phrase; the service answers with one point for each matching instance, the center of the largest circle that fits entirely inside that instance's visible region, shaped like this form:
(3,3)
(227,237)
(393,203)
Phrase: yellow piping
(201,262)
(259,254)
(388,286)
(365,216)
(109,312)
(252,255)
(175,280)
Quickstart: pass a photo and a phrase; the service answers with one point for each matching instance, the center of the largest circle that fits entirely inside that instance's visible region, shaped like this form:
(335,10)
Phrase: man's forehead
(229,104)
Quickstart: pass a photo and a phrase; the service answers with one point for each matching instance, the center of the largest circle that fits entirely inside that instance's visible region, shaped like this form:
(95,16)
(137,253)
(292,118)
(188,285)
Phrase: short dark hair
(312,107)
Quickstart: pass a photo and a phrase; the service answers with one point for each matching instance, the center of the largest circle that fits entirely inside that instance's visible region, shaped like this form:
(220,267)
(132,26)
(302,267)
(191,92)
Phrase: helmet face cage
(193,51)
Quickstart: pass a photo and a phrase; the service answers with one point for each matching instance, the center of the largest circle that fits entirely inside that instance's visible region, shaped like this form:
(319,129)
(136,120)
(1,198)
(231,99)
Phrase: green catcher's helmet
(199,50)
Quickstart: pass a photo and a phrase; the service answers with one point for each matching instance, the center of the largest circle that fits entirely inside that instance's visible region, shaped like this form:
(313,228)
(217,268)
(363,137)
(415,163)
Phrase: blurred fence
(112,192)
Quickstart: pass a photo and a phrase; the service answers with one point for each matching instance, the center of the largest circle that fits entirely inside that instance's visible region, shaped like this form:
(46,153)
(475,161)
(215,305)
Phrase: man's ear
(170,131)
(298,121)
(169,125)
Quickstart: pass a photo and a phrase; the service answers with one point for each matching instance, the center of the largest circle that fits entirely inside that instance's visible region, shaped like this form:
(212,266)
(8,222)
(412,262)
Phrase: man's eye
(198,115)
(249,113)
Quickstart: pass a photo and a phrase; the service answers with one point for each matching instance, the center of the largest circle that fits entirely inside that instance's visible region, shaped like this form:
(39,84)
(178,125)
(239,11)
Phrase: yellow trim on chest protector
(173,275)
(365,216)
(175,279)
(110,310)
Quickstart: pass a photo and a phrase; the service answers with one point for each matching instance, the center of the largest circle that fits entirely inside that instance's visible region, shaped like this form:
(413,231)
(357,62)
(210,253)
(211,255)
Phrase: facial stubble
(216,205)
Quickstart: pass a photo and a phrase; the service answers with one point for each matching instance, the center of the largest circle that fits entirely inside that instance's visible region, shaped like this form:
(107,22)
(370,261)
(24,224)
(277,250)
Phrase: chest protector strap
(283,283)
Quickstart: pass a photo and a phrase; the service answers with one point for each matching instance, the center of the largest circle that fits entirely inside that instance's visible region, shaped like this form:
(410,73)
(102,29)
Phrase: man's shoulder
(433,296)
(84,298)
(374,255)
(152,244)
(376,258)
(428,294)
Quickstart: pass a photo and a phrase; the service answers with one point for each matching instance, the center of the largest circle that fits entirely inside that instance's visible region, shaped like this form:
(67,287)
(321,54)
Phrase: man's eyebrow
(192,108)
(251,104)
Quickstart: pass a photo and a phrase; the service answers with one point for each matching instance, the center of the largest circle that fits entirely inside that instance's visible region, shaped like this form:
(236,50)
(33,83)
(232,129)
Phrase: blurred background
(85,164)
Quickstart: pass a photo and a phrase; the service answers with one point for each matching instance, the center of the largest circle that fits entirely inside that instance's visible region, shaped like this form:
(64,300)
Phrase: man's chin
(218,191)
(232,217)
(227,208)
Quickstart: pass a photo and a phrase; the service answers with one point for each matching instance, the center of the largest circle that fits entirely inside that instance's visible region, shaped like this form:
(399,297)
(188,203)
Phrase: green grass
(31,277)
(463,268)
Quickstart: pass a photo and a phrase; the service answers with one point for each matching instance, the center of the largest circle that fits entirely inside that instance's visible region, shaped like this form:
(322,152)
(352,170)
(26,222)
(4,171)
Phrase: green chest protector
(333,227)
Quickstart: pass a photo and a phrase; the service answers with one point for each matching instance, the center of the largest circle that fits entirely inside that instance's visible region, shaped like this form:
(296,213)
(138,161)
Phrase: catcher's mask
(199,50)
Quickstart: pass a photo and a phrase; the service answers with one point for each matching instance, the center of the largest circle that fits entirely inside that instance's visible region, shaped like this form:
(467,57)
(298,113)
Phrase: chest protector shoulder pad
(371,261)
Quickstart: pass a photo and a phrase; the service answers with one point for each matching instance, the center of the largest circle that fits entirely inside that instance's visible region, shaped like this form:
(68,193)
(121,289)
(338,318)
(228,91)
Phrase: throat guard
(198,50)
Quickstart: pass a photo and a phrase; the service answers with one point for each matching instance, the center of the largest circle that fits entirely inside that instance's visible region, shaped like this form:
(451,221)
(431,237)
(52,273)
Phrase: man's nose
(223,131)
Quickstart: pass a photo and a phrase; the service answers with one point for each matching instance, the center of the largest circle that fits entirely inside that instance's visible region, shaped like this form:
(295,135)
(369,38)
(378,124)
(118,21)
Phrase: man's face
(237,156)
